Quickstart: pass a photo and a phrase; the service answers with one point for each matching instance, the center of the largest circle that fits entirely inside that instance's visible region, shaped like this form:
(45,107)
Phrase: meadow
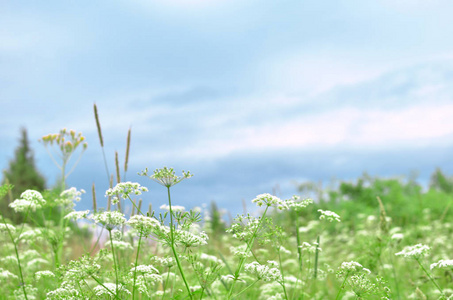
(370,239)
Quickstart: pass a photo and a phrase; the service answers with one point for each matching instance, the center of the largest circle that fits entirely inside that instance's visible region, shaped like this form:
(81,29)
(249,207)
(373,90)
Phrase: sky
(250,96)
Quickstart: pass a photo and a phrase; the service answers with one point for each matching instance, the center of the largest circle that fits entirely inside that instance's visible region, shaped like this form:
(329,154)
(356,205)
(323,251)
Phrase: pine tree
(22,173)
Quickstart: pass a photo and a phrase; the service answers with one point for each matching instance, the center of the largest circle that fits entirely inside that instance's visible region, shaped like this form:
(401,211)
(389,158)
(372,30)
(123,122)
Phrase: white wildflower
(166,176)
(415,251)
(44,274)
(110,219)
(143,224)
(77,215)
(69,196)
(125,189)
(7,227)
(270,200)
(329,215)
(29,199)
(6,275)
(297,204)
(264,272)
(443,264)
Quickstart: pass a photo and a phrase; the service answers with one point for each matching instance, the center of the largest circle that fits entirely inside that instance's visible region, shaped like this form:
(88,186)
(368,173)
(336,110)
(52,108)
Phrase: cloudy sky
(247,95)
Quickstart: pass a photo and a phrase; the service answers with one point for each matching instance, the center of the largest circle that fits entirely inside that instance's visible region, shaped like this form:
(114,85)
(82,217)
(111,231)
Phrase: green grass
(279,254)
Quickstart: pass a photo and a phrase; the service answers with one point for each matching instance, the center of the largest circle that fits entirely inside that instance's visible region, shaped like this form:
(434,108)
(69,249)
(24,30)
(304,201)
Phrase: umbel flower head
(415,251)
(29,199)
(166,176)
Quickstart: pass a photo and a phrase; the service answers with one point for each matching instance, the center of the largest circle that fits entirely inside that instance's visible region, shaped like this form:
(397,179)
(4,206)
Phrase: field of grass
(397,247)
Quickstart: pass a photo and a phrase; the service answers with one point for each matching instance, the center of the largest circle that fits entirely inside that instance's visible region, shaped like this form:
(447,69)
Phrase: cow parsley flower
(443,264)
(268,272)
(69,196)
(65,291)
(166,176)
(5,227)
(143,224)
(77,215)
(29,199)
(351,267)
(415,251)
(6,275)
(270,200)
(125,189)
(190,239)
(328,215)
(109,219)
(296,204)
(44,274)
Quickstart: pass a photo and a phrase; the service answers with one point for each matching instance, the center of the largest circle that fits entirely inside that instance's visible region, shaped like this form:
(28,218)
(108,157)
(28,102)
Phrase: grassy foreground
(292,249)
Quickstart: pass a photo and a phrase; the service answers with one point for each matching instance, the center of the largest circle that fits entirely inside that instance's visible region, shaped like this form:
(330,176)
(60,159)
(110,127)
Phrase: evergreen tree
(22,173)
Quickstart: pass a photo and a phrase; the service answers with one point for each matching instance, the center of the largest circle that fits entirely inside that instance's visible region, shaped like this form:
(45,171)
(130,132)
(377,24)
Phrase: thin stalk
(101,284)
(283,275)
(430,277)
(242,261)
(17,255)
(135,269)
(342,286)
(114,261)
(316,258)
(173,248)
(246,288)
(164,285)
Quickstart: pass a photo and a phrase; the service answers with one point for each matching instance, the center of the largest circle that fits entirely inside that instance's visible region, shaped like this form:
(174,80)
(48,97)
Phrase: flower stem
(114,261)
(242,261)
(430,277)
(342,286)
(135,268)
(173,248)
(17,254)
(246,288)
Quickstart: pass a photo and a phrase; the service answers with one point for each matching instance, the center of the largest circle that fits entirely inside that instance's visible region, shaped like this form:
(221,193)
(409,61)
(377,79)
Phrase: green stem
(342,286)
(101,284)
(114,261)
(242,261)
(17,254)
(316,258)
(173,248)
(246,288)
(430,277)
(135,269)
(281,272)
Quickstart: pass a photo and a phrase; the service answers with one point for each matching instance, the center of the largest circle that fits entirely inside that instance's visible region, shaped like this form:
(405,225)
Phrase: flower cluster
(30,199)
(328,215)
(66,140)
(5,227)
(166,176)
(443,264)
(69,196)
(268,272)
(124,189)
(270,200)
(189,239)
(109,219)
(77,215)
(143,224)
(351,267)
(415,251)
(296,204)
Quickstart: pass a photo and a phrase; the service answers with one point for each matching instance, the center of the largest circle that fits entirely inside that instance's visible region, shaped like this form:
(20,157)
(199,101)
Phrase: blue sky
(245,94)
